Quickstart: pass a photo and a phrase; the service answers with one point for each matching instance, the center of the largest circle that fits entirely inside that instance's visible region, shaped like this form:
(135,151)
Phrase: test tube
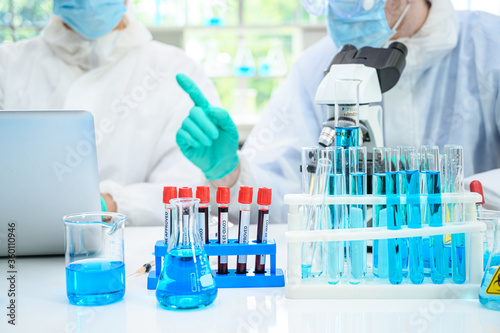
(336,213)
(203,193)
(312,252)
(394,216)
(357,212)
(169,192)
(310,156)
(454,179)
(245,199)
(223,199)
(264,201)
(432,187)
(347,112)
(403,166)
(416,247)
(380,254)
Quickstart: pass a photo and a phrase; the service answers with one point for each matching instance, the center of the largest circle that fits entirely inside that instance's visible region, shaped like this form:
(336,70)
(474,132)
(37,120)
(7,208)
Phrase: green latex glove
(208,136)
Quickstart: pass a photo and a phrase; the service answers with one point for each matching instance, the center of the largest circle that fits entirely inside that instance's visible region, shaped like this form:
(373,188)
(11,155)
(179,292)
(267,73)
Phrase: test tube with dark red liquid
(169,192)
(245,199)
(223,198)
(264,201)
(203,193)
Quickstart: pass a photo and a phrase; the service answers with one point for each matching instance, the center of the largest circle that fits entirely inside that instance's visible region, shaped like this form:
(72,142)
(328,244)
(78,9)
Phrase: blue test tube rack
(273,277)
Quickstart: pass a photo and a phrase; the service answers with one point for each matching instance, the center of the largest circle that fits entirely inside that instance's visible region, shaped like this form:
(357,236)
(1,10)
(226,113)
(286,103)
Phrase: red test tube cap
(476,186)
(264,196)
(169,192)
(185,192)
(245,195)
(203,193)
(223,195)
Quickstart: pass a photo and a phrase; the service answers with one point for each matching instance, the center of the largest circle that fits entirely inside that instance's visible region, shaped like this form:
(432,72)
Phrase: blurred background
(245,46)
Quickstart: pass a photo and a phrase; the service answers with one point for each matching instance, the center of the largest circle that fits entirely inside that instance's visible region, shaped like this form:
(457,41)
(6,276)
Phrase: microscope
(376,70)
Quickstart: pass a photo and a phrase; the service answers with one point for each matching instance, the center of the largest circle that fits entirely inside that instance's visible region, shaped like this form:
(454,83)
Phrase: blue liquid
(404,221)
(186,281)
(414,219)
(394,223)
(347,137)
(435,218)
(490,301)
(380,255)
(357,219)
(335,254)
(214,22)
(244,71)
(95,282)
(458,258)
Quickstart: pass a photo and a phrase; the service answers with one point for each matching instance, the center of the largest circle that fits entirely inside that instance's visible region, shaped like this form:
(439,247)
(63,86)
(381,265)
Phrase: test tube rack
(372,287)
(273,277)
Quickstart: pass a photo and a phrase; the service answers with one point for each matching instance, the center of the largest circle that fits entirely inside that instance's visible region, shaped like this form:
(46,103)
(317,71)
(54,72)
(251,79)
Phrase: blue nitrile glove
(208,136)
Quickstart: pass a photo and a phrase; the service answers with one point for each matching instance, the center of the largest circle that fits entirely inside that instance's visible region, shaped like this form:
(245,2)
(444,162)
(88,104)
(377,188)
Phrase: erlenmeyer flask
(489,294)
(186,280)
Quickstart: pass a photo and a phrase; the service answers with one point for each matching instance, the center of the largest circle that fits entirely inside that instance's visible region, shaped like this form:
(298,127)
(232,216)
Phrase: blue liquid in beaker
(186,281)
(95,282)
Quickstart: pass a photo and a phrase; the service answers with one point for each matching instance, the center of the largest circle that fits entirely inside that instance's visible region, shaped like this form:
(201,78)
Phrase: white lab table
(42,305)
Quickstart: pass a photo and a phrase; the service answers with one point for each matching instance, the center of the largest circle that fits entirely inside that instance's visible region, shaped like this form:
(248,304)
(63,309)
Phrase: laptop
(48,168)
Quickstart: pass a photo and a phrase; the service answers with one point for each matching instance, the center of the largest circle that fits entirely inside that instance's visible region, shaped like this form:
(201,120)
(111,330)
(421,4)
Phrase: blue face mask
(355,25)
(90,18)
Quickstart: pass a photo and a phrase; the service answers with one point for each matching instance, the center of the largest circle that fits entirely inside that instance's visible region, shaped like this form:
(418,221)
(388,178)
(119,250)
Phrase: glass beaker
(489,293)
(95,270)
(186,280)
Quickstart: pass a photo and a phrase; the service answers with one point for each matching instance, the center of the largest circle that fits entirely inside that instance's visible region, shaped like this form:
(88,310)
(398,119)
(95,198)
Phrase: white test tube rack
(375,288)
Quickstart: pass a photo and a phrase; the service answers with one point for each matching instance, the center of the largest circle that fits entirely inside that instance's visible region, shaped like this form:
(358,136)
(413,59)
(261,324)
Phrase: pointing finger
(193,91)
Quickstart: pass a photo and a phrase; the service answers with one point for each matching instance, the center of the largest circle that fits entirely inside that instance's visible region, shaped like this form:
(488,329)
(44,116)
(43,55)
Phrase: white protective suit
(128,83)
(448,93)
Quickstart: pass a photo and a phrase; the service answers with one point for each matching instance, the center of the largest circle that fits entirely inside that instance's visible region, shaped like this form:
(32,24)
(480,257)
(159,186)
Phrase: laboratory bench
(42,305)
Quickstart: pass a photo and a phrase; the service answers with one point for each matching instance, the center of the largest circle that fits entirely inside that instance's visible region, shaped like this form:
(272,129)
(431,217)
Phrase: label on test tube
(243,237)
(168,219)
(185,231)
(223,234)
(201,226)
(265,219)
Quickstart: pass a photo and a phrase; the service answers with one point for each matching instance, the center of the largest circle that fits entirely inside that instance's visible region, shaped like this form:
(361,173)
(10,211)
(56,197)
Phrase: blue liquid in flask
(490,300)
(95,282)
(186,281)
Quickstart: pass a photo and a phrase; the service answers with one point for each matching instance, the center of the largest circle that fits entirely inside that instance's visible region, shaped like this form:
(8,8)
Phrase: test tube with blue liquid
(414,217)
(347,116)
(380,254)
(394,216)
(429,166)
(313,252)
(404,207)
(454,183)
(357,212)
(336,213)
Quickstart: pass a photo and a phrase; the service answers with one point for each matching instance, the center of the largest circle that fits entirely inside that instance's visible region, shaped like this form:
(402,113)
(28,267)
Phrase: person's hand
(110,203)
(208,136)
